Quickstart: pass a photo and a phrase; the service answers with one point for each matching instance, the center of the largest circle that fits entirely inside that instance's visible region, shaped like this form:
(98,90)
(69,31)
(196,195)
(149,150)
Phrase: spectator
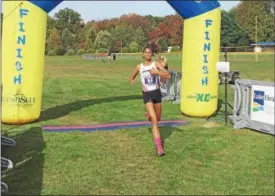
(114,56)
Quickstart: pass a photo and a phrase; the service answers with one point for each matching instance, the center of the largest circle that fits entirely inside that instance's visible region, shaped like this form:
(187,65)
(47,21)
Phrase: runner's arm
(162,73)
(134,75)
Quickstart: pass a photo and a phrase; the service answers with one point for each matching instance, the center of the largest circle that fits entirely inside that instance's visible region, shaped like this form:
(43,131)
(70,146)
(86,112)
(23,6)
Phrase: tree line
(66,31)
(68,34)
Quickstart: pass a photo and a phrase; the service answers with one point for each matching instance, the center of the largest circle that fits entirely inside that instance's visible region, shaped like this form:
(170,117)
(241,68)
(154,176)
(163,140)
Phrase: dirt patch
(251,53)
(68,67)
(241,132)
(71,75)
(194,162)
(70,120)
(131,165)
(255,171)
(223,164)
(222,153)
(85,67)
(242,60)
(210,125)
(80,71)
(217,138)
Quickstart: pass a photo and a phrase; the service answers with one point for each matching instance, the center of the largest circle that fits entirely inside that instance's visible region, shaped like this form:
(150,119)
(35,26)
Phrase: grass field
(204,157)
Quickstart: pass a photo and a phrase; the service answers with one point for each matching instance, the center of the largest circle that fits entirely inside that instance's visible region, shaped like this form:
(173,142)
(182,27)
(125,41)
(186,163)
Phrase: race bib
(150,80)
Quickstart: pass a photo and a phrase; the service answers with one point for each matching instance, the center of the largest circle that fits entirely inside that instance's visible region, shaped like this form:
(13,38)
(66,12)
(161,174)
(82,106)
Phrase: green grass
(202,158)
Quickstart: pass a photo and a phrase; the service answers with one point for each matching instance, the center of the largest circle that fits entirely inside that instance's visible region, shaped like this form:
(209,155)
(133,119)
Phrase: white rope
(19,5)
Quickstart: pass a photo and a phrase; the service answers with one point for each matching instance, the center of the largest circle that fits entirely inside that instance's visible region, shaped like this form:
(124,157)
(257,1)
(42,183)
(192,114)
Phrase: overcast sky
(95,10)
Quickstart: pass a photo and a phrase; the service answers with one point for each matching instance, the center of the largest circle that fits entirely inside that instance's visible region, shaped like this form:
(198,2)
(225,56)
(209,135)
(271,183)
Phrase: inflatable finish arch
(24,34)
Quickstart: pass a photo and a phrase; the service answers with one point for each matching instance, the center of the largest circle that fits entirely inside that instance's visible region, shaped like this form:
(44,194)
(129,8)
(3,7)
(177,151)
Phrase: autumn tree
(154,21)
(50,25)
(136,21)
(134,47)
(246,13)
(54,40)
(140,38)
(80,39)
(91,36)
(67,39)
(231,33)
(68,18)
(124,34)
(103,41)
(175,25)
(163,43)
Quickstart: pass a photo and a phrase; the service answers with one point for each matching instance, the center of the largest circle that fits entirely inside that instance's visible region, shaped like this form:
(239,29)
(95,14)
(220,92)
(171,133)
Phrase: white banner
(262,104)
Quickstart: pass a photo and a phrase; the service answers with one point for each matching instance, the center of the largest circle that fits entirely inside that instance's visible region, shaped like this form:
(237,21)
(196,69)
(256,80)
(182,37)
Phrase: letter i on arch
(21,25)
(207,35)
(19,53)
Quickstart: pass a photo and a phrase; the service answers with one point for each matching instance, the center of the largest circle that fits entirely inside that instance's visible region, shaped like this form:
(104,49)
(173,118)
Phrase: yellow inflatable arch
(24,35)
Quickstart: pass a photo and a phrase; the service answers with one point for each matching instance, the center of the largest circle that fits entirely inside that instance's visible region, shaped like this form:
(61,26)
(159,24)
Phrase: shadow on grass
(63,110)
(219,107)
(27,156)
(166,132)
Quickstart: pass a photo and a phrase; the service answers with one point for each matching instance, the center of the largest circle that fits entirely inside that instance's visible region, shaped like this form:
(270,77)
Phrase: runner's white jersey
(149,82)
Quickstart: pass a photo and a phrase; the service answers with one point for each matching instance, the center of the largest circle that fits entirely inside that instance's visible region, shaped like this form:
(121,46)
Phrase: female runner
(150,73)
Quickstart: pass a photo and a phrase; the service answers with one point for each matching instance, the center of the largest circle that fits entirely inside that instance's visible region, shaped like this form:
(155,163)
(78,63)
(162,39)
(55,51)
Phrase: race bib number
(151,80)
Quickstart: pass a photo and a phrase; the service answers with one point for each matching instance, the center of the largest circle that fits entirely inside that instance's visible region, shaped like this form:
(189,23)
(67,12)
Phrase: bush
(243,41)
(175,49)
(90,51)
(71,52)
(158,48)
(134,50)
(163,45)
(125,50)
(80,52)
(60,51)
(133,47)
(51,53)
(100,50)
